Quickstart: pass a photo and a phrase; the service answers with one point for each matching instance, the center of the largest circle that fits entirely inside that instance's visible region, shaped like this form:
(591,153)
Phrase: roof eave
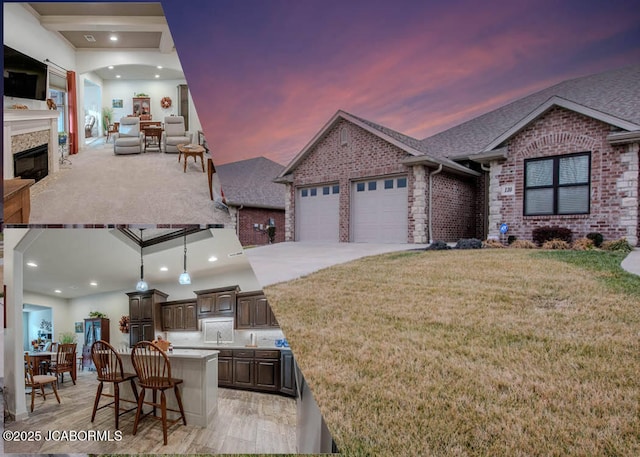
(624,137)
(451,167)
(486,156)
(253,205)
(286,179)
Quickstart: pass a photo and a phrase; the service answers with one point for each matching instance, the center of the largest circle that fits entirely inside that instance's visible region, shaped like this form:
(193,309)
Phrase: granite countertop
(192,353)
(185,353)
(229,346)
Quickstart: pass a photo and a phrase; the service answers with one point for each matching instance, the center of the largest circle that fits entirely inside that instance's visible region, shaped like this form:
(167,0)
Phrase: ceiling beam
(104,23)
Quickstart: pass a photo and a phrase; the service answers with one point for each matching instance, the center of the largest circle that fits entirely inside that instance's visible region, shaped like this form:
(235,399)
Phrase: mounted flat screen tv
(24,76)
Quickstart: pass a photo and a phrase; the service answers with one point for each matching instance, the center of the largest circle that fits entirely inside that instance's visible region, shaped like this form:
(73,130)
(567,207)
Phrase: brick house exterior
(560,132)
(467,181)
(253,199)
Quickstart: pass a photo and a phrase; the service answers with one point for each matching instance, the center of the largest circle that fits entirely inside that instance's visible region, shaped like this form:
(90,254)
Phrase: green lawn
(481,352)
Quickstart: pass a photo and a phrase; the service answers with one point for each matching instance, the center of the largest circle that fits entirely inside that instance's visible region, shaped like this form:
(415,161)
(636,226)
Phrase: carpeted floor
(102,188)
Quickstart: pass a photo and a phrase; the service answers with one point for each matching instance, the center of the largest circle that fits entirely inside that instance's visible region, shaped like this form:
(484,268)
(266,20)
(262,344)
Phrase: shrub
(541,235)
(596,237)
(491,244)
(511,239)
(438,246)
(556,244)
(621,245)
(523,244)
(582,244)
(469,243)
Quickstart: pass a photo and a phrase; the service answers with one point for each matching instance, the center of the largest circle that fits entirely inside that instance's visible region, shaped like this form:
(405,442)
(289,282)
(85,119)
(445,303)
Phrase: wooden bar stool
(154,372)
(109,369)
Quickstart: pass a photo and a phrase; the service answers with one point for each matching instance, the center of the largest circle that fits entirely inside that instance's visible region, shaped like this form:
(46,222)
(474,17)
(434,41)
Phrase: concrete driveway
(281,262)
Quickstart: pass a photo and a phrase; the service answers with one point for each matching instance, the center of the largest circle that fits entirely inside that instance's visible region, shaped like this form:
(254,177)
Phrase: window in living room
(557,185)
(58,93)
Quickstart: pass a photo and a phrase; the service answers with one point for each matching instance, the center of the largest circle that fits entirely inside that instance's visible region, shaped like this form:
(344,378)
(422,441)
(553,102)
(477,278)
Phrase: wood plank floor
(246,422)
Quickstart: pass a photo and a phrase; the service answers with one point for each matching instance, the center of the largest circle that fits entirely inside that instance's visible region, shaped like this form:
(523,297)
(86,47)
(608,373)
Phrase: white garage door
(317,213)
(379,210)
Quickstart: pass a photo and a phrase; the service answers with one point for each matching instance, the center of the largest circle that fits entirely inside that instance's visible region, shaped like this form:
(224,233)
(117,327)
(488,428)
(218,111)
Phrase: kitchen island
(198,368)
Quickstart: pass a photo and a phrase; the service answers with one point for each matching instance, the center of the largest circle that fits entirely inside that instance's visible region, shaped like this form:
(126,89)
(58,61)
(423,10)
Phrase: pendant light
(142,285)
(184,277)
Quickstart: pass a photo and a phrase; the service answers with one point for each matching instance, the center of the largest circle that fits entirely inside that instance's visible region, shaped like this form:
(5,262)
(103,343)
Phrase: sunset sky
(266,75)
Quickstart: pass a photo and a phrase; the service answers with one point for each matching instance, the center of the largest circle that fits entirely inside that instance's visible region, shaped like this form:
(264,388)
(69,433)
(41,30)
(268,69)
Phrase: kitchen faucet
(218,337)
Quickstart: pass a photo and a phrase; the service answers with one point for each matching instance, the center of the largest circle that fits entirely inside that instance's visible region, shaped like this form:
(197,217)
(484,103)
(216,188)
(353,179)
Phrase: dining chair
(65,362)
(154,372)
(38,381)
(109,369)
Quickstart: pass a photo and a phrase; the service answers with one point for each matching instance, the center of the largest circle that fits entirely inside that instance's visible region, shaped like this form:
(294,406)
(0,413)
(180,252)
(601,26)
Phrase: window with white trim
(557,185)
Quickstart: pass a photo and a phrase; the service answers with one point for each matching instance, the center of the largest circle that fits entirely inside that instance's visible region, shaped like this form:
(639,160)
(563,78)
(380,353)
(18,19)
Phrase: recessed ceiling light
(32,264)
(58,291)
(159,67)
(117,76)
(110,67)
(213,258)
(157,76)
(113,38)
(93,283)
(164,269)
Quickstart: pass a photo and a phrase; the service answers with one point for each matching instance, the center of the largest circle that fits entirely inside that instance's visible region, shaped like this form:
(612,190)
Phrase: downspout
(238,221)
(431,175)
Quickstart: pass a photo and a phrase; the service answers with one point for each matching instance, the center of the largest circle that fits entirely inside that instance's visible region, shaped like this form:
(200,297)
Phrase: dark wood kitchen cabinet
(267,368)
(145,318)
(225,368)
(179,315)
(287,373)
(219,302)
(253,311)
(243,368)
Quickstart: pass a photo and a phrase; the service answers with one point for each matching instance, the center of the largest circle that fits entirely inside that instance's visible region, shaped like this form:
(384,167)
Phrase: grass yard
(477,352)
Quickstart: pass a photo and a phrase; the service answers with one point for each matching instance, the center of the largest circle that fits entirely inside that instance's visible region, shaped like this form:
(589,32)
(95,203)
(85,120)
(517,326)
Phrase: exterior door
(379,210)
(317,213)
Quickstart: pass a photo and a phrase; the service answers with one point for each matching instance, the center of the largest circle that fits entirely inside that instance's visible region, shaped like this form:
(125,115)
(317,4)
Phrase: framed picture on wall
(79,326)
(116,103)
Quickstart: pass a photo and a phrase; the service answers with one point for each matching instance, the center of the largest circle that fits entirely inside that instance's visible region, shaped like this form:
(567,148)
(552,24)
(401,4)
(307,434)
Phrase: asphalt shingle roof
(250,183)
(615,92)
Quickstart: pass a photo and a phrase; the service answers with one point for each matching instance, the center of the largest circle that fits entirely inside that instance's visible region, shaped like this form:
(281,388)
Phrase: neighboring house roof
(250,183)
(612,96)
(411,146)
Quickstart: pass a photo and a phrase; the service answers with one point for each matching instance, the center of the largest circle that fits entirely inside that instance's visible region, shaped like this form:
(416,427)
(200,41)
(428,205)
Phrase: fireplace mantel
(14,115)
(19,121)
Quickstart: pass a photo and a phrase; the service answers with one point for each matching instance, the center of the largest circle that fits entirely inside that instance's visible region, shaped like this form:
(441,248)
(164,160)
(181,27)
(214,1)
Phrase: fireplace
(32,163)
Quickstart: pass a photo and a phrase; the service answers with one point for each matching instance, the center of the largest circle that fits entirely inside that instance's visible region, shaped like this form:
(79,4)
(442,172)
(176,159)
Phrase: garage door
(317,213)
(379,210)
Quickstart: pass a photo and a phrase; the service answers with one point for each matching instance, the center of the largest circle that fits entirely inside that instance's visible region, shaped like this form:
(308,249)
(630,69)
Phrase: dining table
(41,356)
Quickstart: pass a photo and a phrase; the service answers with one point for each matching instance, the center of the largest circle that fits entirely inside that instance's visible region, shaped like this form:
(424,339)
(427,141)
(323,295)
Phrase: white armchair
(129,139)
(175,134)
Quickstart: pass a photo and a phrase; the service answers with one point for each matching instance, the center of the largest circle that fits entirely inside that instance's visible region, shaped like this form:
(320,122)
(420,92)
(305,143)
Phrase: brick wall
(454,207)
(248,236)
(365,155)
(557,132)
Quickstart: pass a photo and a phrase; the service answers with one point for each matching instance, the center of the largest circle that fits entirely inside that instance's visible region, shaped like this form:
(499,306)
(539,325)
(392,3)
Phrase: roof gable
(563,103)
(612,95)
(411,146)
